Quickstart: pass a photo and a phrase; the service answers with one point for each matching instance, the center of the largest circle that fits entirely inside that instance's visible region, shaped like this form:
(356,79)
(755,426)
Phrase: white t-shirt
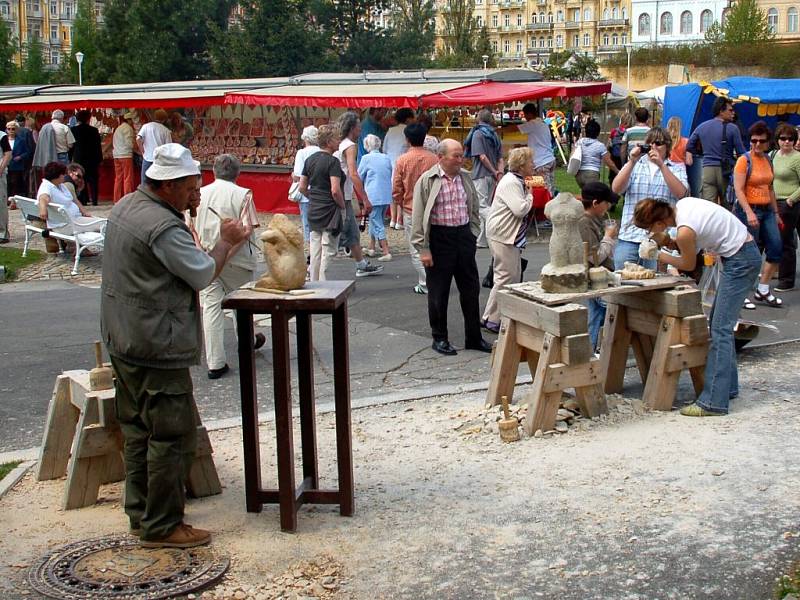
(348,182)
(716,228)
(539,141)
(395,144)
(63,136)
(300,161)
(59,195)
(153,135)
(122,142)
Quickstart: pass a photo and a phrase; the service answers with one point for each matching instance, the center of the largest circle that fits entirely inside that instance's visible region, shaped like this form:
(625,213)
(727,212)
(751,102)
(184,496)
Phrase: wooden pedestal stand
(83,441)
(668,333)
(554,342)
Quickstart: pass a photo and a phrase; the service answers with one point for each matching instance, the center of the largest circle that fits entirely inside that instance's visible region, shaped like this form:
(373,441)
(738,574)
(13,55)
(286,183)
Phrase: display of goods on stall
(257,141)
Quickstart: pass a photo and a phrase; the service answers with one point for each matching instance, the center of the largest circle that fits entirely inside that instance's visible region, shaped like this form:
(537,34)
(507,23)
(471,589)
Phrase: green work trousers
(155,409)
(714,185)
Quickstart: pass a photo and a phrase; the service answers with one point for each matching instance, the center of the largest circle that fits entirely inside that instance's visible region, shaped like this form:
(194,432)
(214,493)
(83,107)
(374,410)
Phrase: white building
(669,22)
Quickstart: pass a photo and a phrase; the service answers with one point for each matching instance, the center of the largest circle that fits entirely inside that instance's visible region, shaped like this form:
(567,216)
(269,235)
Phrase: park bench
(84,232)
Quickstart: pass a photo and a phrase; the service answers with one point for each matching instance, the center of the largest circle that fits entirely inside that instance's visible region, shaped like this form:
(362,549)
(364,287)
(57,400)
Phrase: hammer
(100,378)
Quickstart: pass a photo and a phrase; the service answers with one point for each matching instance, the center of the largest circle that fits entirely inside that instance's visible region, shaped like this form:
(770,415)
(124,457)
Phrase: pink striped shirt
(450,207)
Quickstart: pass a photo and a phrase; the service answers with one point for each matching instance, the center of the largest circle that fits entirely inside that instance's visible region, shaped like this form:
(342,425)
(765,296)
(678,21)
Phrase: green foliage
(6,468)
(7,50)
(460,34)
(788,584)
(745,23)
(33,71)
(13,260)
(572,66)
(412,34)
(84,39)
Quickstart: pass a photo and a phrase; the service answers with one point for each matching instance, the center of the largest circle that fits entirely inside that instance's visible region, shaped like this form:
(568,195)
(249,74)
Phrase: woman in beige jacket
(506,227)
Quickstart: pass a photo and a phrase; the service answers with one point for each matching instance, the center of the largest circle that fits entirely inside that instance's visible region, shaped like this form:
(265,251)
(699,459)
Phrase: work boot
(183,536)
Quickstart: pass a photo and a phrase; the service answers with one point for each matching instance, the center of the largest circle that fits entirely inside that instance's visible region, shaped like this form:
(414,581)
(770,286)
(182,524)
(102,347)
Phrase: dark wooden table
(329,298)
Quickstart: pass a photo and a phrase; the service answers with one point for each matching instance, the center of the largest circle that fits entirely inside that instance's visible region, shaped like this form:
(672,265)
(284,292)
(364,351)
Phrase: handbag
(575,159)
(294,192)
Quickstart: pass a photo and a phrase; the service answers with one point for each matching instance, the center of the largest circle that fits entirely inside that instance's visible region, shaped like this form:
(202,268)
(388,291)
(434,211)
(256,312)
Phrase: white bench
(84,232)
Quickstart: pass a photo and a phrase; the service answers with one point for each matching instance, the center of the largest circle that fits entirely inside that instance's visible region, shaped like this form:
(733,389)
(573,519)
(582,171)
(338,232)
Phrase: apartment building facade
(669,22)
(48,20)
(783,18)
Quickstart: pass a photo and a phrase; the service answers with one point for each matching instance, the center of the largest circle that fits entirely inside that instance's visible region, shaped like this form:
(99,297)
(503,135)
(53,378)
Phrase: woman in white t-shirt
(52,189)
(593,155)
(704,225)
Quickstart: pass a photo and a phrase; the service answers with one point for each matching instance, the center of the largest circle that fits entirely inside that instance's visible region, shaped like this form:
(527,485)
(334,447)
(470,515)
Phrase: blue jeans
(304,217)
(739,274)
(377,229)
(766,234)
(63,157)
(629,252)
(145,165)
(597,316)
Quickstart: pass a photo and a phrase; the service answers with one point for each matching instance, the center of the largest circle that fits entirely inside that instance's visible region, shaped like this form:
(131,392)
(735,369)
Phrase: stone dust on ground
(635,505)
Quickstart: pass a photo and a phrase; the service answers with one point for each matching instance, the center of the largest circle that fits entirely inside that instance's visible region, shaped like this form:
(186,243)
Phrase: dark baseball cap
(596,190)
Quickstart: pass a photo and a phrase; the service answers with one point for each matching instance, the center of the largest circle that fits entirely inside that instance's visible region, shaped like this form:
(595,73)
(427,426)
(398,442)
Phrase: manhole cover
(117,567)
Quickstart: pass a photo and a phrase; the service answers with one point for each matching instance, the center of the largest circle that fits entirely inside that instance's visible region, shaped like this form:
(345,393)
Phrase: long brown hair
(674,129)
(651,211)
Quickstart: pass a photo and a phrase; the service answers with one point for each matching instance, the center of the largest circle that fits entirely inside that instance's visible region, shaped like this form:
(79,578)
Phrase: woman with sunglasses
(786,164)
(648,174)
(758,209)
(706,225)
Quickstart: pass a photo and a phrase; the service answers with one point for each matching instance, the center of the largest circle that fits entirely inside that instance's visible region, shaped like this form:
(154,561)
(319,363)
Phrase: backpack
(730,193)
(615,145)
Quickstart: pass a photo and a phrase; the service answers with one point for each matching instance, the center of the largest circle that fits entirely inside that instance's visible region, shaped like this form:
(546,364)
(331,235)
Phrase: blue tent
(772,100)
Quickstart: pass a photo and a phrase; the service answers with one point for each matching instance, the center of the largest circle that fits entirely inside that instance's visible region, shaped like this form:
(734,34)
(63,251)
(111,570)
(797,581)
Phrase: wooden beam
(543,407)
(576,349)
(694,330)
(505,364)
(681,356)
(614,352)
(564,320)
(679,302)
(562,377)
(58,431)
(529,337)
(662,383)
(592,400)
(641,321)
(642,359)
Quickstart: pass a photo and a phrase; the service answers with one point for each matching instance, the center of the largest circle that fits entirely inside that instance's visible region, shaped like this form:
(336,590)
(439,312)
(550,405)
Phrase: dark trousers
(791,223)
(453,252)
(155,410)
(92,178)
(16,183)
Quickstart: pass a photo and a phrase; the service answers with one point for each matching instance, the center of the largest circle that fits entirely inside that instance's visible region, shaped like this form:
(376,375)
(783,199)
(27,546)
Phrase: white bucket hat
(172,161)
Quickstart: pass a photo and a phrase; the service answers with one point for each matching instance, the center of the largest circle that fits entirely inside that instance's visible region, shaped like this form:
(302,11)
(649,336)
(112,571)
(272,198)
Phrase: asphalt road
(48,327)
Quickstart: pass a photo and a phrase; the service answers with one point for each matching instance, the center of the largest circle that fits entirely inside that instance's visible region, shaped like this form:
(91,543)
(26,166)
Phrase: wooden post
(59,429)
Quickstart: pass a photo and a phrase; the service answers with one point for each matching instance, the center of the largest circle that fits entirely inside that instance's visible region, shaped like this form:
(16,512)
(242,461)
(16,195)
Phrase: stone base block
(560,280)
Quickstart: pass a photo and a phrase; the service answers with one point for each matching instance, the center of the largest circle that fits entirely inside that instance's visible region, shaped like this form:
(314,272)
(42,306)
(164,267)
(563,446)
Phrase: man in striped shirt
(445,225)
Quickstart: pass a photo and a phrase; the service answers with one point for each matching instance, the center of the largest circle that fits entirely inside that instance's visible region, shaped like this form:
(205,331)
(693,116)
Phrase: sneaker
(392,224)
(695,410)
(385,258)
(420,289)
(783,288)
(259,340)
(183,536)
(369,252)
(368,270)
(398,226)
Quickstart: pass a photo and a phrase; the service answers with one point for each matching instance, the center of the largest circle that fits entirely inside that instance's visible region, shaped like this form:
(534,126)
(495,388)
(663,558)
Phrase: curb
(10,480)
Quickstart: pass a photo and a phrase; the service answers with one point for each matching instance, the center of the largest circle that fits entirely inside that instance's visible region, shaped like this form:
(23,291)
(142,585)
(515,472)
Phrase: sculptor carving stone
(565,272)
(283,253)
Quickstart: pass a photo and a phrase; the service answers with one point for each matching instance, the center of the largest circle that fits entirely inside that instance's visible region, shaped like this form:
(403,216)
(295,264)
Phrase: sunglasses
(787,139)
(658,143)
(758,140)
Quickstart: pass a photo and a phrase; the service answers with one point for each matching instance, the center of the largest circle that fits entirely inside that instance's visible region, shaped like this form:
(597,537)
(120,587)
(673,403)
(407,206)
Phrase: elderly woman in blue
(375,170)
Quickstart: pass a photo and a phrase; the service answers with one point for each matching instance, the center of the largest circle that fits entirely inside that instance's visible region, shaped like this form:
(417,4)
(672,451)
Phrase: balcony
(511,57)
(610,49)
(511,28)
(509,4)
(572,25)
(536,51)
(542,2)
(613,23)
(539,26)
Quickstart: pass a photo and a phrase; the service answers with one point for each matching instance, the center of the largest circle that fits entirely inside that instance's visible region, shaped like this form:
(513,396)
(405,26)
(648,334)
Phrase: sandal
(748,304)
(418,289)
(768,299)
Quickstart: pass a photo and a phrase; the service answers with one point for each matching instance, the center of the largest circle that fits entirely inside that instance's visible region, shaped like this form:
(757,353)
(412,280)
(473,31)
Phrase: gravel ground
(634,505)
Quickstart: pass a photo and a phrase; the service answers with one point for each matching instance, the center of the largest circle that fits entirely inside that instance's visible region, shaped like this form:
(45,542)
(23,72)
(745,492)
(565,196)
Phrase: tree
(7,50)
(159,40)
(413,33)
(572,66)
(745,23)
(459,34)
(84,39)
(33,71)
(265,42)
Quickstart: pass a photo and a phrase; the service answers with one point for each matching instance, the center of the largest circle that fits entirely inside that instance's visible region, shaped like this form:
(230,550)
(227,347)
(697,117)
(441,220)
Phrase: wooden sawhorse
(668,333)
(83,441)
(553,340)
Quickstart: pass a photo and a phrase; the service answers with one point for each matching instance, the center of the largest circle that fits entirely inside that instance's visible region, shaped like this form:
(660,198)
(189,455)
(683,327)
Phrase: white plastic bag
(575,159)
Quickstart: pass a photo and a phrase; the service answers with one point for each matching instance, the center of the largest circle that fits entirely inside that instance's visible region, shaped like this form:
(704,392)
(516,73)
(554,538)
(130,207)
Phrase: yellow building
(49,20)
(526,32)
(783,17)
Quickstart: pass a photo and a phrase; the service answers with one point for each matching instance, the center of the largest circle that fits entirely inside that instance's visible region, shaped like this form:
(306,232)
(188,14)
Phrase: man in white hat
(122,151)
(150,322)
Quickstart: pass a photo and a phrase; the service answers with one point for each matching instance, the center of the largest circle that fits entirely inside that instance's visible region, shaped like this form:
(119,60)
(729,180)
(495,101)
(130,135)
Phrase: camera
(645,148)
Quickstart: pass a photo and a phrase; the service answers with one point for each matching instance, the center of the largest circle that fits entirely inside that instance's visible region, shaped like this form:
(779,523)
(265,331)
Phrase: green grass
(566,183)
(13,260)
(788,584)
(6,468)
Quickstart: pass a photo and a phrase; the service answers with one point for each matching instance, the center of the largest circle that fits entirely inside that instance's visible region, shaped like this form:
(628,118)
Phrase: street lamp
(79,58)
(628,49)
(485,58)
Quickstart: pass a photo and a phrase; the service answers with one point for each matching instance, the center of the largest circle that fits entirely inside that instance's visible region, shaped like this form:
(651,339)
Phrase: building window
(624,13)
(615,13)
(494,20)
(519,46)
(53,9)
(605,40)
(772,20)
(575,41)
(559,41)
(494,46)
(549,42)
(614,40)
(34,31)
(480,21)
(644,24)
(549,17)
(506,20)
(791,20)
(624,39)
(666,23)
(587,14)
(54,32)
(519,20)
(587,40)
(605,14)
(686,22)
(67,8)
(706,20)
(55,57)
(506,47)
(576,15)
(5,9)
(560,16)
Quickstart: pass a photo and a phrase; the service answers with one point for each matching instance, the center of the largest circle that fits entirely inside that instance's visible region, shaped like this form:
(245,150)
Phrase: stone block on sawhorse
(668,333)
(83,441)
(554,342)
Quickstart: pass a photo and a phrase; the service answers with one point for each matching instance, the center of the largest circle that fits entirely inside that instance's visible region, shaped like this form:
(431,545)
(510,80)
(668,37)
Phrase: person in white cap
(310,137)
(223,198)
(122,152)
(150,323)
(55,140)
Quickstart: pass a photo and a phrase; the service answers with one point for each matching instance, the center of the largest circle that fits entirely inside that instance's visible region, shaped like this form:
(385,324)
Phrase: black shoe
(781,287)
(4,240)
(259,341)
(217,373)
(482,346)
(444,347)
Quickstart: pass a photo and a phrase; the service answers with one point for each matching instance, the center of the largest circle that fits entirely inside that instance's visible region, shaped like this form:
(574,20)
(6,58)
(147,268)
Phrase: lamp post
(628,49)
(485,58)
(79,58)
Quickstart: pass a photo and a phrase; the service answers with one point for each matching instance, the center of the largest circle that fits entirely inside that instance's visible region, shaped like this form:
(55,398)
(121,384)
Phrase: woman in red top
(679,153)
(758,209)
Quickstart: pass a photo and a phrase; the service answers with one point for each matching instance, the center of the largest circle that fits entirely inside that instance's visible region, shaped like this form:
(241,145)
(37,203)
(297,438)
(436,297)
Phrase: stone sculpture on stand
(283,252)
(566,271)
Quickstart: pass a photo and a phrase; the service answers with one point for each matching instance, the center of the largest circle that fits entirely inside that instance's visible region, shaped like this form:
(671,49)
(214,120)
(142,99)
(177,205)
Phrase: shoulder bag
(575,159)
